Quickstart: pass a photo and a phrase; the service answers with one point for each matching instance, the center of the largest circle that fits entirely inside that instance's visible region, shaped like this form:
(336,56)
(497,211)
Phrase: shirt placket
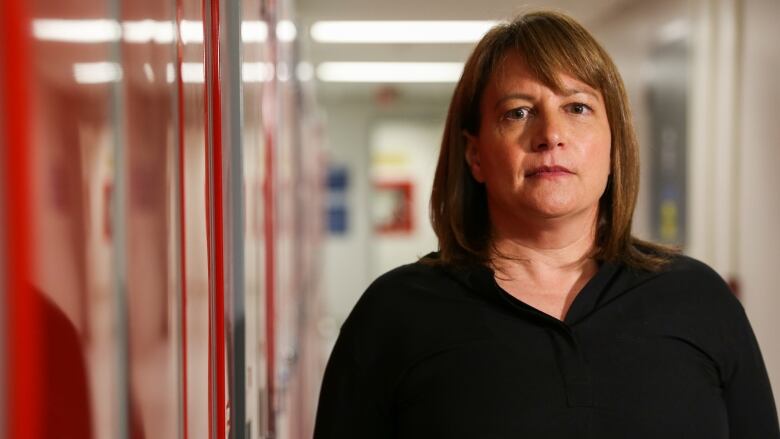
(574,369)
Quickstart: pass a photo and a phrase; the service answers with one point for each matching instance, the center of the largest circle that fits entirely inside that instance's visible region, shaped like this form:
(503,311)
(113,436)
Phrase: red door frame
(215,204)
(22,395)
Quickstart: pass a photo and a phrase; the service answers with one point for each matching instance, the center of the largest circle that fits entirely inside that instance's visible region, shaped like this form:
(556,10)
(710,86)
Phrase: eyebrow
(513,96)
(573,91)
(566,92)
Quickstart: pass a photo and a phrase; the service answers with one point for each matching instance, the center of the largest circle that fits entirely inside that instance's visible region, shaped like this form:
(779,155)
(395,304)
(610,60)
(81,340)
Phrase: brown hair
(550,43)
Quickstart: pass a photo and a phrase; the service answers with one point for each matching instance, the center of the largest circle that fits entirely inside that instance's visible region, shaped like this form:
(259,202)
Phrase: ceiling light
(191,73)
(146,31)
(400,31)
(286,31)
(389,71)
(97,72)
(77,31)
(283,71)
(257,71)
(254,31)
(304,71)
(194,72)
(191,31)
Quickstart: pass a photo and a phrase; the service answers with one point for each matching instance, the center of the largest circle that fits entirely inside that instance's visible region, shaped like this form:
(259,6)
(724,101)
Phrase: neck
(541,245)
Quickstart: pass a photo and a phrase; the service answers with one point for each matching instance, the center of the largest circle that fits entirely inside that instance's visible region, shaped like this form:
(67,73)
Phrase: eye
(520,113)
(579,108)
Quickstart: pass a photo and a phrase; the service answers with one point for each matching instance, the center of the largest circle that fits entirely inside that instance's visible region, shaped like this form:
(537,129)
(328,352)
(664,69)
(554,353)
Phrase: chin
(554,213)
(554,206)
(549,210)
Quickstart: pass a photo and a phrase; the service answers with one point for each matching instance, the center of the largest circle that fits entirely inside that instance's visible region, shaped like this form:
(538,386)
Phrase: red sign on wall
(392,207)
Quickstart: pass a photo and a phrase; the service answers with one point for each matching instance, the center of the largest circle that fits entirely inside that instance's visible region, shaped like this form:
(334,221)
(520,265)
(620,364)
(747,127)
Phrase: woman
(541,316)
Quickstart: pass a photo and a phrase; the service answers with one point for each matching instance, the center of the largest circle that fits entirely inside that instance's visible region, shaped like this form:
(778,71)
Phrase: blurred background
(194,194)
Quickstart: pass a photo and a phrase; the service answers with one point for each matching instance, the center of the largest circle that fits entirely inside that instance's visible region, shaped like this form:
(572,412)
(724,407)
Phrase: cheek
(597,160)
(502,161)
(601,147)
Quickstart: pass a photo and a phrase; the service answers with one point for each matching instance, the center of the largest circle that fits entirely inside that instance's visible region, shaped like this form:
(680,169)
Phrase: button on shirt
(435,352)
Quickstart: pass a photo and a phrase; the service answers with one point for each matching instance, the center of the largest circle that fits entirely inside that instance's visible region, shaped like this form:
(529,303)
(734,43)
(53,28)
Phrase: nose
(548,132)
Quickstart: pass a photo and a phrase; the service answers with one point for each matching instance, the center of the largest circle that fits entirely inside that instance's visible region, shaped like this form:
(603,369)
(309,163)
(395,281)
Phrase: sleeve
(751,408)
(351,403)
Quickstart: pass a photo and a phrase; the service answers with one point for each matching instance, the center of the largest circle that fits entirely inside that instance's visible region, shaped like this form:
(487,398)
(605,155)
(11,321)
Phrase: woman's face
(542,154)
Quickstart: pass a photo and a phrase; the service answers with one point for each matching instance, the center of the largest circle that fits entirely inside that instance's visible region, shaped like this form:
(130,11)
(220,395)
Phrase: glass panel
(234,218)
(284,175)
(152,226)
(195,356)
(298,179)
(257,74)
(74,176)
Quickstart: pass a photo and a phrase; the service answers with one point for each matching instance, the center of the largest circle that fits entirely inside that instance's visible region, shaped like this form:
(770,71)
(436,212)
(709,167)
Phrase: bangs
(549,47)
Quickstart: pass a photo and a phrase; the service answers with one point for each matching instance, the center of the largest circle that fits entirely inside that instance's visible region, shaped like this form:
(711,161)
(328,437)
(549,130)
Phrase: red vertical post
(23,344)
(209,238)
(216,204)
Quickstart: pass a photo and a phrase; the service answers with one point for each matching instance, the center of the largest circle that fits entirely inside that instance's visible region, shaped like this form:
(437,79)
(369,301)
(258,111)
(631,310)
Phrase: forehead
(512,74)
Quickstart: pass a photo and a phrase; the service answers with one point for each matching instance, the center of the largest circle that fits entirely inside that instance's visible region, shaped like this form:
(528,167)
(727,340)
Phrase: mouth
(548,171)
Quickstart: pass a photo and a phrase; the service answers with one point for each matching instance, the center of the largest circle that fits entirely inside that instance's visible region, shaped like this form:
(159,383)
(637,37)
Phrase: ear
(472,157)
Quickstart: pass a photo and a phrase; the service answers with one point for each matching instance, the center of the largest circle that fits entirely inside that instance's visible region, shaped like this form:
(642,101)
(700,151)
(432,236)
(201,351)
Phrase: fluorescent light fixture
(191,31)
(257,71)
(400,31)
(97,72)
(146,31)
(194,73)
(389,71)
(254,31)
(77,31)
(191,73)
(283,71)
(286,31)
(304,71)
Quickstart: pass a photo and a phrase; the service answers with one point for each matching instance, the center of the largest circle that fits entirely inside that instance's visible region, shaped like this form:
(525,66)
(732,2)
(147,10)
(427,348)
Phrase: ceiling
(589,12)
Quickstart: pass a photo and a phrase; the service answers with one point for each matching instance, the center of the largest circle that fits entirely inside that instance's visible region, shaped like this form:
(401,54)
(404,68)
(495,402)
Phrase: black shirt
(431,352)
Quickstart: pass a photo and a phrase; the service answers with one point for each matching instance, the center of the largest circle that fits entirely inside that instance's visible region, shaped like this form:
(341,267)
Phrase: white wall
(759,180)
(405,150)
(629,35)
(350,263)
(345,270)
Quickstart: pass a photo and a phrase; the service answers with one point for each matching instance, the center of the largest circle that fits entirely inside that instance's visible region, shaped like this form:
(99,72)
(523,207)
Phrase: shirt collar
(610,281)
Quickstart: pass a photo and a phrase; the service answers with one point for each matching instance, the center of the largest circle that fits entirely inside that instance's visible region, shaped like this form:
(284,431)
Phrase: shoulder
(415,275)
(692,282)
(410,285)
(410,296)
(693,271)
(686,266)
(403,312)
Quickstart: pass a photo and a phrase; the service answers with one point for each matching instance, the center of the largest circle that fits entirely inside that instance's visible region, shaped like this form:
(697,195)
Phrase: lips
(551,171)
